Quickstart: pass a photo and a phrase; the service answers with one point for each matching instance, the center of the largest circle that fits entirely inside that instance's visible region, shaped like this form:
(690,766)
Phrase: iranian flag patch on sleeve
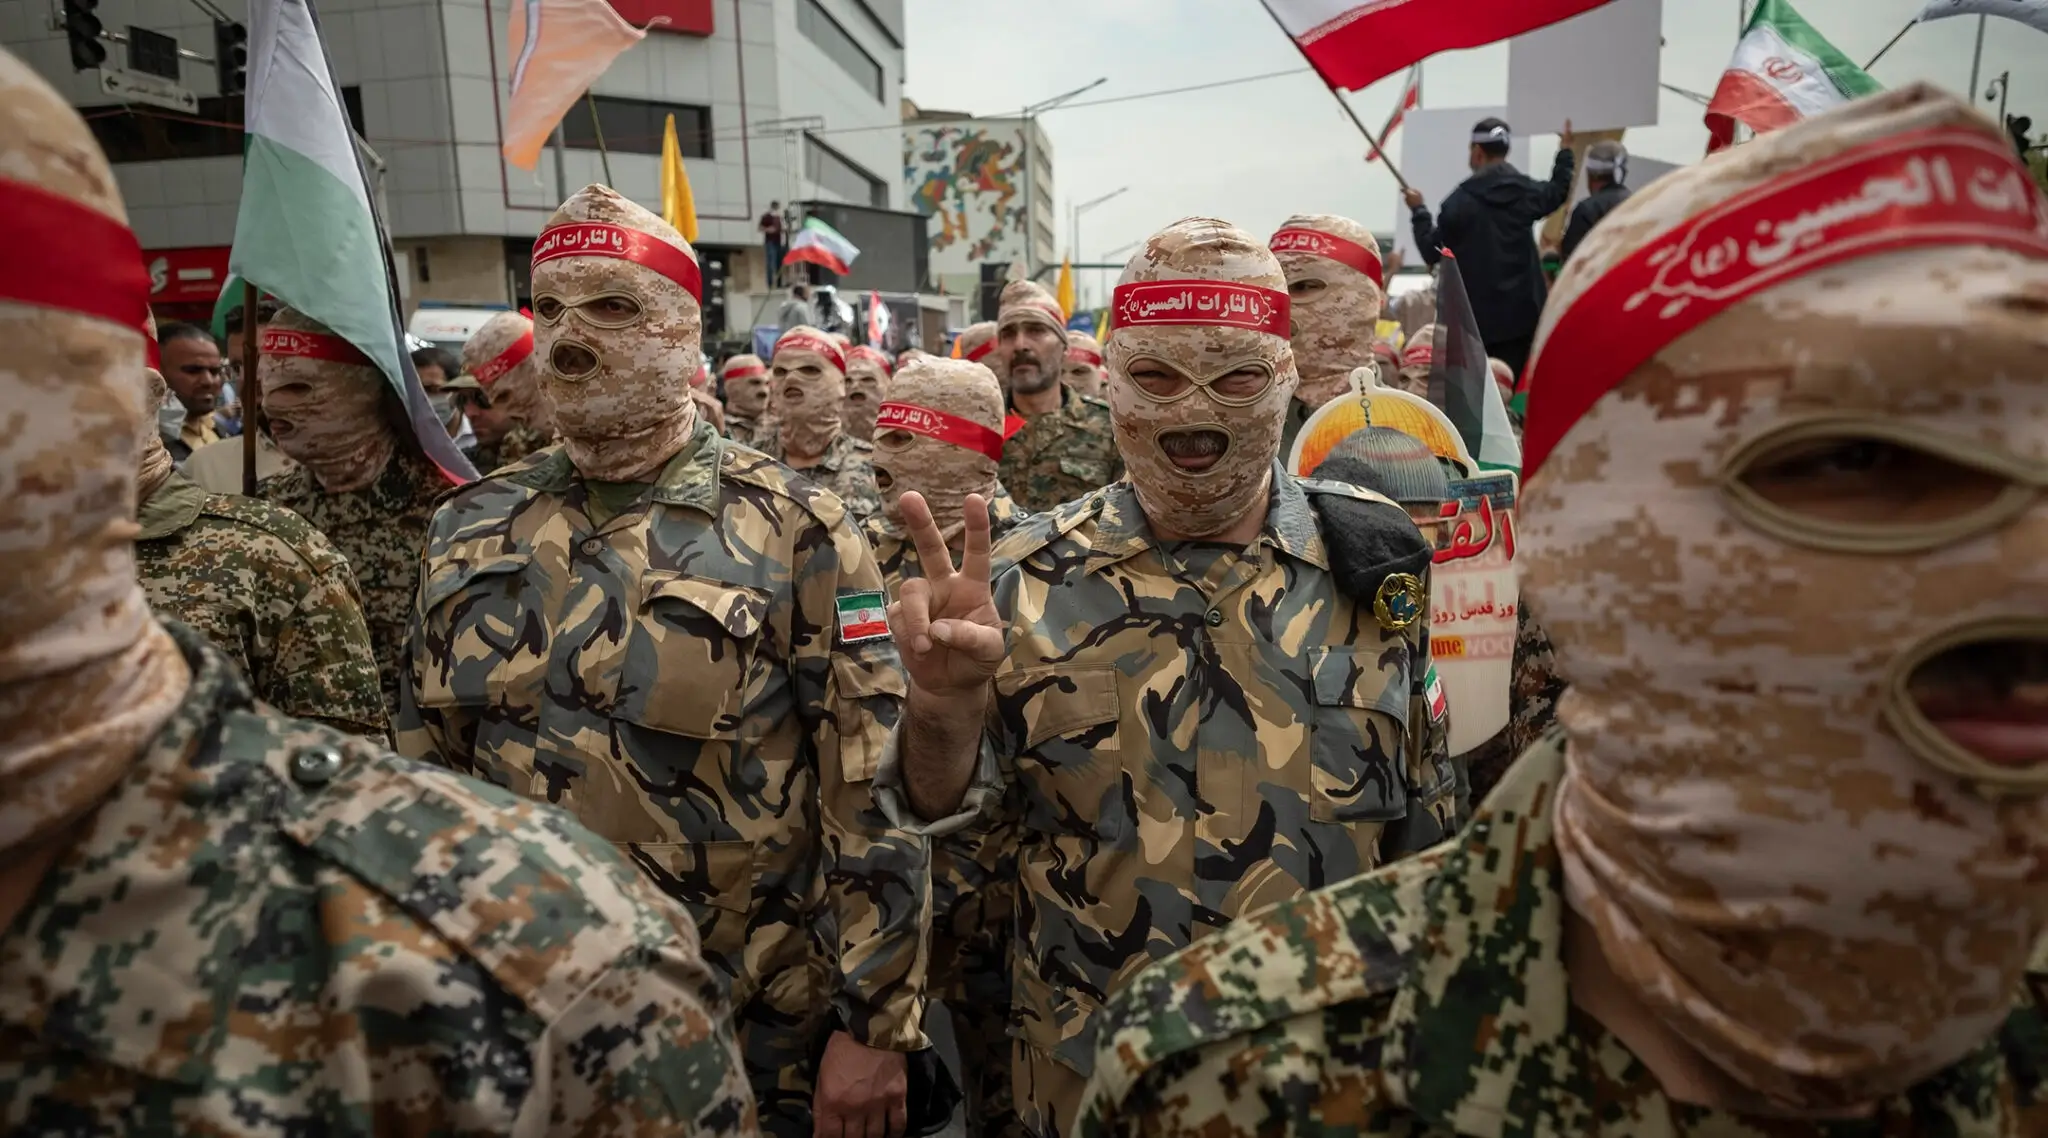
(1432,690)
(862,616)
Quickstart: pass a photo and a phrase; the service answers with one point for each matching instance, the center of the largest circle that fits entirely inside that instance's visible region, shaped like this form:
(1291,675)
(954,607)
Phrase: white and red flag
(1355,43)
(1411,99)
(1783,71)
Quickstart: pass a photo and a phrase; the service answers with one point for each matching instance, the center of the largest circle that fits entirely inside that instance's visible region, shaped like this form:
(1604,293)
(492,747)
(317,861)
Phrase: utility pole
(1029,117)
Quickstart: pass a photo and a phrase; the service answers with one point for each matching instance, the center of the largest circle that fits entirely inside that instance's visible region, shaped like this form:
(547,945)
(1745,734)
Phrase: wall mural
(972,183)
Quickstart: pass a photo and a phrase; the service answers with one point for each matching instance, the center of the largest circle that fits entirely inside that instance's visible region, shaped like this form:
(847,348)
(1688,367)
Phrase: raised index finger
(974,553)
(932,554)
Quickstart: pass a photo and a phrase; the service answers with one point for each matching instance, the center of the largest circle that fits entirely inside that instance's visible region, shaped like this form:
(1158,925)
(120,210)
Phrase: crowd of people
(672,775)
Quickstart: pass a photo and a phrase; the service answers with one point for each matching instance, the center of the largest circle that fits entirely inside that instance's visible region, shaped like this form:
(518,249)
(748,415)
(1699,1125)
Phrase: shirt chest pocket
(1070,755)
(688,654)
(1356,735)
(481,637)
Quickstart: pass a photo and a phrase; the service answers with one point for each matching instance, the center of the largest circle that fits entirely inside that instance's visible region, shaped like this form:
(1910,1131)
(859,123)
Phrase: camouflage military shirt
(268,591)
(1061,455)
(1532,706)
(698,680)
(1429,1000)
(1184,733)
(517,443)
(974,877)
(271,928)
(847,469)
(749,432)
(380,529)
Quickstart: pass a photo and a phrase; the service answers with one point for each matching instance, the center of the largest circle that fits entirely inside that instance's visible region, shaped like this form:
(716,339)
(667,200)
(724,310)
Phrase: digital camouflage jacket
(704,679)
(268,591)
(1062,455)
(272,928)
(1429,1000)
(1184,734)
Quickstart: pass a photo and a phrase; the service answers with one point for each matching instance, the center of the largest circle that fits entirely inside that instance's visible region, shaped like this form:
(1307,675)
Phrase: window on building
(840,174)
(832,38)
(634,126)
(130,133)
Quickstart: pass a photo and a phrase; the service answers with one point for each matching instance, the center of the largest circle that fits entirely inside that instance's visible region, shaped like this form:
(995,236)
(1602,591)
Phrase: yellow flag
(678,207)
(1065,292)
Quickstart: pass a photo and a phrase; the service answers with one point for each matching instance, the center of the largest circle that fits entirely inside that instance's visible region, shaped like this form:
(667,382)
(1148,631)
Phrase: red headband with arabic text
(1942,186)
(863,352)
(1419,355)
(603,239)
(964,433)
(975,353)
(1084,356)
(1223,304)
(93,269)
(312,346)
(495,368)
(805,342)
(744,371)
(1037,306)
(1320,244)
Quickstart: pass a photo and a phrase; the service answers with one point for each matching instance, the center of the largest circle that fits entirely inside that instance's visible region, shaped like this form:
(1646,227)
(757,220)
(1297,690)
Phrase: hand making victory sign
(951,638)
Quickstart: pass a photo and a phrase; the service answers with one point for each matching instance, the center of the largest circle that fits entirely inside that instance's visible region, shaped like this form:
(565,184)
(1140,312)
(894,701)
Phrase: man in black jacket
(1486,223)
(1606,171)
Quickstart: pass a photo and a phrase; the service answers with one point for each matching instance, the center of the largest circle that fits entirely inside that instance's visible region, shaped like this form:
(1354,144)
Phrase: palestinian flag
(1461,380)
(1783,71)
(819,244)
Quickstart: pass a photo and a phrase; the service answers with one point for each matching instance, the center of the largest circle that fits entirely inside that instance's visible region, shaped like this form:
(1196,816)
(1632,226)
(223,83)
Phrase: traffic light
(82,28)
(231,56)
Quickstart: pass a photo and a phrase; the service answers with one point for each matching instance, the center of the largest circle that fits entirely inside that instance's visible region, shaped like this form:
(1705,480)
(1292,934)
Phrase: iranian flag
(1356,43)
(307,231)
(819,244)
(1411,99)
(1783,71)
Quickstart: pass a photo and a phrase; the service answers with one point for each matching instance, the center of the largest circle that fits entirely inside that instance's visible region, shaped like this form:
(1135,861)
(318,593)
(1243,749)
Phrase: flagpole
(1888,44)
(252,388)
(1977,60)
(598,129)
(1341,101)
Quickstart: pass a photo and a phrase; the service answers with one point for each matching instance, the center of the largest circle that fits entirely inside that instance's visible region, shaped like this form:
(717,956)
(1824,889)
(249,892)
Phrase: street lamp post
(1084,207)
(1029,116)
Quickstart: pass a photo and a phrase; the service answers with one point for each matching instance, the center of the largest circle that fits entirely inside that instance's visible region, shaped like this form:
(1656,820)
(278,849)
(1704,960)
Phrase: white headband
(1491,134)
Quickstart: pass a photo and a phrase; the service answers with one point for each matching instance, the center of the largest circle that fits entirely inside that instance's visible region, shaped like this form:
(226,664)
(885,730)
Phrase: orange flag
(559,48)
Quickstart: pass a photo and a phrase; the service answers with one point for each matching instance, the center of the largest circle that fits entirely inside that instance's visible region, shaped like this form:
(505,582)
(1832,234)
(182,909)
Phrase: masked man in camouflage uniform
(1187,689)
(361,479)
(1336,281)
(808,378)
(682,643)
(977,344)
(1084,372)
(510,418)
(746,400)
(1780,873)
(215,919)
(940,437)
(1064,447)
(867,382)
(263,586)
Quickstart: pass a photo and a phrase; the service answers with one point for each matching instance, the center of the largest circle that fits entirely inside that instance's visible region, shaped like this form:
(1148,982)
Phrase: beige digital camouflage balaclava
(1335,282)
(976,344)
(1416,360)
(500,357)
(1207,300)
(867,381)
(618,328)
(87,676)
(940,434)
(1084,371)
(324,402)
(808,373)
(746,386)
(1822,860)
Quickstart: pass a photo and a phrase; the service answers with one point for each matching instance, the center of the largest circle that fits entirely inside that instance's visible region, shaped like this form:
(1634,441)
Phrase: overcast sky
(1257,152)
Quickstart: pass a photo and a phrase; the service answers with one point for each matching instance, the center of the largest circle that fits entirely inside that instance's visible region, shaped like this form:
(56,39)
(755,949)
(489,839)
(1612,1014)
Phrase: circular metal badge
(1400,602)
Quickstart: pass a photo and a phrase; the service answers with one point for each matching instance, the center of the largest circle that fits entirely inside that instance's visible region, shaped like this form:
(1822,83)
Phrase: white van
(450,327)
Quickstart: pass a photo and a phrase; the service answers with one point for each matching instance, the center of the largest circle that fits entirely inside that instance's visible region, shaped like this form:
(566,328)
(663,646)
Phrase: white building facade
(775,101)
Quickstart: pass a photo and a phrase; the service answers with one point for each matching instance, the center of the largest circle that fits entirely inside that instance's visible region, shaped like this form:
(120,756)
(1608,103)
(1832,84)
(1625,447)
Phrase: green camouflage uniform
(518,442)
(270,592)
(1430,1000)
(676,677)
(380,529)
(271,928)
(847,469)
(1179,747)
(749,432)
(974,880)
(1061,455)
